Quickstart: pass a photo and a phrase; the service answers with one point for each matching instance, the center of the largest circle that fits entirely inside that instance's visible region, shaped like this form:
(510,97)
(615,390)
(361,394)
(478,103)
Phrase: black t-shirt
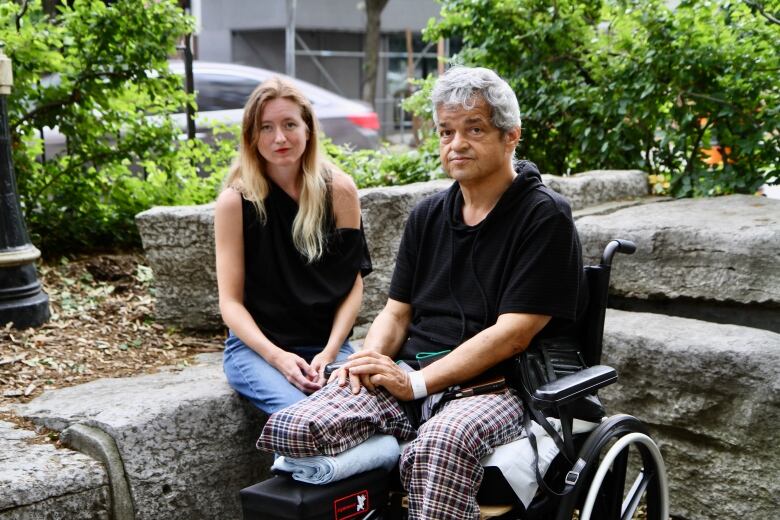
(524,257)
(292,301)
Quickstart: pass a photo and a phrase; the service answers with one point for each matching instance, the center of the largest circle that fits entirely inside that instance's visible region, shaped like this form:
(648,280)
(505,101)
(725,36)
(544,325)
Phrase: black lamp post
(22,301)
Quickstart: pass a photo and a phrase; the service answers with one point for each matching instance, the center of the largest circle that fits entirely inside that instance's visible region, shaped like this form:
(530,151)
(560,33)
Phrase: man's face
(471,148)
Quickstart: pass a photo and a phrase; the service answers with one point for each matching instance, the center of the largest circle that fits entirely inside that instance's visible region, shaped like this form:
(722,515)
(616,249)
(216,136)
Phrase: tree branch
(760,8)
(74,96)
(19,16)
(708,98)
(696,143)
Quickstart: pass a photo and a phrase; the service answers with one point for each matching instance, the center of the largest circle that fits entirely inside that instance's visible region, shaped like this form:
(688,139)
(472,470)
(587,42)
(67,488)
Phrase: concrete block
(41,481)
(722,249)
(186,440)
(596,187)
(711,396)
(178,243)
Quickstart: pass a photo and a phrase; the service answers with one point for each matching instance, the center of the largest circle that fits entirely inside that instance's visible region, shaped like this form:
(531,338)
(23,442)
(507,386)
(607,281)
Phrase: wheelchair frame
(595,485)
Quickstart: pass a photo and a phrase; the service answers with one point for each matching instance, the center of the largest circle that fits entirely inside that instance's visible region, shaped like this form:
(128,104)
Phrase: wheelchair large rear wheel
(624,477)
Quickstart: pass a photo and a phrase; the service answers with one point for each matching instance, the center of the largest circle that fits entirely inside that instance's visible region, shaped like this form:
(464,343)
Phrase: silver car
(222,89)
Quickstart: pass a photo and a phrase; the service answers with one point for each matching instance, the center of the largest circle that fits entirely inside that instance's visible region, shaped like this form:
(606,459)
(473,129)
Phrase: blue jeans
(256,379)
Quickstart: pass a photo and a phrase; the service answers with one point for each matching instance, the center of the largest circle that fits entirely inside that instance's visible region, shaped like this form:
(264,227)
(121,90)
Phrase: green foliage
(388,166)
(634,84)
(98,74)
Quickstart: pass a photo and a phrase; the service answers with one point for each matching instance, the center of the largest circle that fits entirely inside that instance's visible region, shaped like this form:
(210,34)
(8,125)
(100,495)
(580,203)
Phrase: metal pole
(189,85)
(289,40)
(22,301)
(189,81)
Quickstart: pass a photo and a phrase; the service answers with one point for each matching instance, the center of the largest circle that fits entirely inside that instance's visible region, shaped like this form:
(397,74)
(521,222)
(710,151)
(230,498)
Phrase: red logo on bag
(351,505)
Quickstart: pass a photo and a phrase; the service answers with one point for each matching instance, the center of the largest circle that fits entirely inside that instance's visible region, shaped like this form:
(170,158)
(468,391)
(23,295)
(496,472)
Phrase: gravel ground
(102,325)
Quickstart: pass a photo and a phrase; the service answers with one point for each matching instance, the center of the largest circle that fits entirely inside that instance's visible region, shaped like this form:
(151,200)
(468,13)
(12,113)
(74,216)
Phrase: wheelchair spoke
(631,503)
(617,480)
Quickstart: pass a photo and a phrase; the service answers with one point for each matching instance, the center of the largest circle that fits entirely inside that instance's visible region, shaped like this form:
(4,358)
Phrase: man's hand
(371,369)
(297,371)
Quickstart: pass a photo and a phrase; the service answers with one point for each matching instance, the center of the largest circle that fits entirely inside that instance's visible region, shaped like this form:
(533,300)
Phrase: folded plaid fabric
(333,420)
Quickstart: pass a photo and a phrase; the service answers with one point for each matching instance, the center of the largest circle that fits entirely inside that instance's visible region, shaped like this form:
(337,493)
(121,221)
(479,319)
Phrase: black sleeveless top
(292,301)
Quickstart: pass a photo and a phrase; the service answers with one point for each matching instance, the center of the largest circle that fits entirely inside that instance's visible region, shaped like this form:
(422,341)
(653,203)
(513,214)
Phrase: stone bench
(710,394)
(40,481)
(179,241)
(716,259)
(184,440)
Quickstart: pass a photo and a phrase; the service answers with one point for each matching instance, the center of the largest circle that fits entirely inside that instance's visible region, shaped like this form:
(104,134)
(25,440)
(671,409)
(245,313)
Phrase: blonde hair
(248,172)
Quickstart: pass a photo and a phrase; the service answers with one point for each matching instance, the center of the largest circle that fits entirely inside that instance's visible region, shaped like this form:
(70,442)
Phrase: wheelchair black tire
(612,429)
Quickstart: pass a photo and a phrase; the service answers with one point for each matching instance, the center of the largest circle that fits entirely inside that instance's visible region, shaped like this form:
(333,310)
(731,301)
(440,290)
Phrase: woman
(290,253)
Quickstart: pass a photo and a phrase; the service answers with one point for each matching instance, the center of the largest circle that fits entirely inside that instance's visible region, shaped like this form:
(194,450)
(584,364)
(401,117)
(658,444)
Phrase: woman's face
(283,134)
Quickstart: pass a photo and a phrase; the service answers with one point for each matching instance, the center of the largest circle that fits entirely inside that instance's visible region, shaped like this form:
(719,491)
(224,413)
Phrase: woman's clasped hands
(298,372)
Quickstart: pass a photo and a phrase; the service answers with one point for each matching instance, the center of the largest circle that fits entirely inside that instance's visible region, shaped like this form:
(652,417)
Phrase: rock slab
(596,187)
(185,438)
(179,245)
(722,249)
(711,396)
(41,481)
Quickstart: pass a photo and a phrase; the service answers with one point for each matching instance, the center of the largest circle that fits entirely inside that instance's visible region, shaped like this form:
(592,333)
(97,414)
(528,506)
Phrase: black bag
(546,360)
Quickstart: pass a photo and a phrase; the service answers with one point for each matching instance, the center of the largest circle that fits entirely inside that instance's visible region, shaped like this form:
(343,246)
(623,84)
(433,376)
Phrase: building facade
(329,43)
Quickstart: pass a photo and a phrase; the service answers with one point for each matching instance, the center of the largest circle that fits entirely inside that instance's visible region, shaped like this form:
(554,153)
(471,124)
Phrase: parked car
(222,89)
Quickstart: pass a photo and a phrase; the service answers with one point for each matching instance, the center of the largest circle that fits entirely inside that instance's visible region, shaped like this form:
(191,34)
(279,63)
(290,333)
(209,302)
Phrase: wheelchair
(608,470)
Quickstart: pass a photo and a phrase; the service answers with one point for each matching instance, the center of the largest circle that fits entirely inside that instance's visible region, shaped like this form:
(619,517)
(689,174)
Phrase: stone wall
(711,396)
(38,480)
(179,241)
(714,259)
(719,249)
(185,439)
(709,392)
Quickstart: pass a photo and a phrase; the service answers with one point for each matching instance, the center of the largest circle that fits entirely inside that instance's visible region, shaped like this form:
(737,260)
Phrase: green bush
(99,74)
(388,166)
(635,84)
(392,166)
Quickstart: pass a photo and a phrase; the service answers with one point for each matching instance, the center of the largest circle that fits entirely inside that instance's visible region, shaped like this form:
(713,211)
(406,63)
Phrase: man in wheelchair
(483,269)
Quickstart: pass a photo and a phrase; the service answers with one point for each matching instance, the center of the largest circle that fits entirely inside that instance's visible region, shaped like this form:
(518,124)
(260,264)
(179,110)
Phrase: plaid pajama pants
(440,468)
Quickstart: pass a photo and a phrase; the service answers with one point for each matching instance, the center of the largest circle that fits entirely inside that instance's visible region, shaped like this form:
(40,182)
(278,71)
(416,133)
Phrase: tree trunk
(374,10)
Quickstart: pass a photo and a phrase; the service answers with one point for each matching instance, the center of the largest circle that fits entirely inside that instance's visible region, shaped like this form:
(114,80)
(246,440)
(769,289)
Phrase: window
(222,92)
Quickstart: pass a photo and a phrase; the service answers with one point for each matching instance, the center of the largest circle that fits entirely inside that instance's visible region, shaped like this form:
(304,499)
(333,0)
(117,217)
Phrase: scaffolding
(383,105)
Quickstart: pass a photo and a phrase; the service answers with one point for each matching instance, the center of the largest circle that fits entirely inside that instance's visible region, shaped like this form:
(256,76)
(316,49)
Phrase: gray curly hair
(460,86)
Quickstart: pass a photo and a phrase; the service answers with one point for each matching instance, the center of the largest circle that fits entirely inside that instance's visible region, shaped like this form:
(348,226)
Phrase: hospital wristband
(418,384)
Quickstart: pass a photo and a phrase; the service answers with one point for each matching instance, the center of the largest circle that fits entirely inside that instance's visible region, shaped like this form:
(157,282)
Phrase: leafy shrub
(388,166)
(99,74)
(392,166)
(635,84)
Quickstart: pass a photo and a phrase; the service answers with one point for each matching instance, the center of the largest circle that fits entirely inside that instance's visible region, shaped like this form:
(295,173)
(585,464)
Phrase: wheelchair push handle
(617,246)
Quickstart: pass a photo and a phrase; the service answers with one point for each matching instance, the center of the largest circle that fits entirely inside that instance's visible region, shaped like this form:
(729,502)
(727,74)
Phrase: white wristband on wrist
(418,384)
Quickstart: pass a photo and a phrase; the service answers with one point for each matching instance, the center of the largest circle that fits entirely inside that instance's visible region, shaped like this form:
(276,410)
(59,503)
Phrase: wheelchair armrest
(572,386)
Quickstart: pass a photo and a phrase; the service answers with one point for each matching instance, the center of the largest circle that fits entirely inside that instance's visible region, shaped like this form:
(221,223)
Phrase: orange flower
(715,156)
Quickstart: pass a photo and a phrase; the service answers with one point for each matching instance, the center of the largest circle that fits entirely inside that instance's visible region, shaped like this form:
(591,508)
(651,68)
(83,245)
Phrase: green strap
(425,355)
